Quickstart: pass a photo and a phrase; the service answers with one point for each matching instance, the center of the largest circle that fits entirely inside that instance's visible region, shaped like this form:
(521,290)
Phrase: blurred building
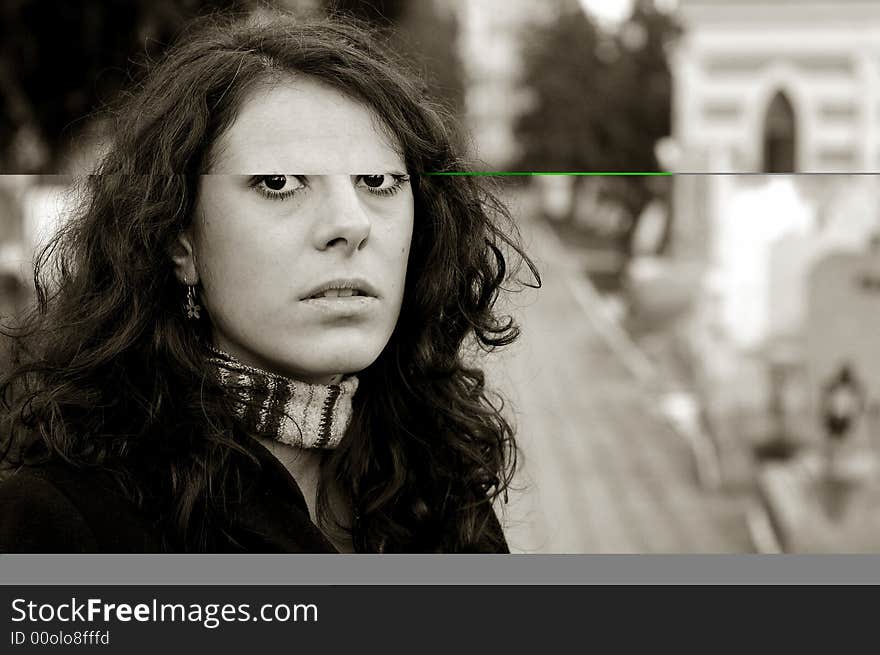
(489,44)
(778,85)
(771,86)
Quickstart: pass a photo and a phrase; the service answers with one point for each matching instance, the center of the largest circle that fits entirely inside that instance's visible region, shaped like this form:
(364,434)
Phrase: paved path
(815,509)
(603,472)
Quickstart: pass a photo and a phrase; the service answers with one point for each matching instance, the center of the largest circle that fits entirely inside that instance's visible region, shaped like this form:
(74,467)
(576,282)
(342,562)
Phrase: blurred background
(700,372)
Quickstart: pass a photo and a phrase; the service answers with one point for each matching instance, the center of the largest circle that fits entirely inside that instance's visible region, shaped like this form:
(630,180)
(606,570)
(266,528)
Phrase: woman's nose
(344,222)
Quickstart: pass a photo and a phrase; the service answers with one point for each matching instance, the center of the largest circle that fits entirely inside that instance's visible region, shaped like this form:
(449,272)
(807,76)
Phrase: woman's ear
(182,254)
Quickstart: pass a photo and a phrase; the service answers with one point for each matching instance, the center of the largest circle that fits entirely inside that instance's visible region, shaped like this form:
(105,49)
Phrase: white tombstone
(556,196)
(650,229)
(754,219)
(842,327)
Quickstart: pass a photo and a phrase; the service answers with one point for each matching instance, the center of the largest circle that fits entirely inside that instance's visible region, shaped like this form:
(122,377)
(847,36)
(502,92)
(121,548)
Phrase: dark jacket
(55,508)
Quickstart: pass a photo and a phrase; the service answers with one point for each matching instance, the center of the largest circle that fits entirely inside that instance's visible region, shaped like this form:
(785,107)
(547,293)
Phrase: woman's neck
(297,423)
(287,410)
(304,466)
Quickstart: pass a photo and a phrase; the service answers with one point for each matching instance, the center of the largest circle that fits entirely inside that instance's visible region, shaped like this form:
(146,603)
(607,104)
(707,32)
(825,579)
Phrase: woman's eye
(278,187)
(275,182)
(383,185)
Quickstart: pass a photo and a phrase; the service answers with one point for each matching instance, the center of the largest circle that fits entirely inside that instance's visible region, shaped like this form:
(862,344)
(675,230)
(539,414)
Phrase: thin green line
(537,173)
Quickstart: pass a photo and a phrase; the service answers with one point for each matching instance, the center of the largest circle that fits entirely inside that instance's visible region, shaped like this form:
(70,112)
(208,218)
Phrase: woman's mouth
(338,293)
(345,304)
(342,288)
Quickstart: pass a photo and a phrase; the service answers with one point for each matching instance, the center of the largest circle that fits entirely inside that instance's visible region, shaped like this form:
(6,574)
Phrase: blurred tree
(562,130)
(60,60)
(428,34)
(600,100)
(425,32)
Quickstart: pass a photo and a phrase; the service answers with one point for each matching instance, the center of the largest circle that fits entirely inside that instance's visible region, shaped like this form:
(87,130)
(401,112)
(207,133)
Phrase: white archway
(780,78)
(779,149)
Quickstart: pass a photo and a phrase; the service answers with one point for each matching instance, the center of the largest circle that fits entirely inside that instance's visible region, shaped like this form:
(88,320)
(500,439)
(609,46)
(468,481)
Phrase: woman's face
(302,233)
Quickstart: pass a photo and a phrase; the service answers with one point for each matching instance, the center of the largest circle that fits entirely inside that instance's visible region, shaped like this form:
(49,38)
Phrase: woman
(250,339)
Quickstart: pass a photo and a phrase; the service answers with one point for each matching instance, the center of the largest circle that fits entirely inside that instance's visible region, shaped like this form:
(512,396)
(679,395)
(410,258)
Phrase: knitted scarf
(287,410)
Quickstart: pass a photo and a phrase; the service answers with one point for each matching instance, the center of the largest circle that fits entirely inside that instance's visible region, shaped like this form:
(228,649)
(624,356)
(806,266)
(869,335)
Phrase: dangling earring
(192,308)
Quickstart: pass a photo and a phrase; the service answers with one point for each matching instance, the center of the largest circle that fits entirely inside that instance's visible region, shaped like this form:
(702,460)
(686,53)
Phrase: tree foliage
(61,61)
(600,100)
(424,34)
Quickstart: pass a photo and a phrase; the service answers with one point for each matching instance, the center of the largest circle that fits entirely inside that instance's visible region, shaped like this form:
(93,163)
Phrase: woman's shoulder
(59,508)
(38,517)
(494,540)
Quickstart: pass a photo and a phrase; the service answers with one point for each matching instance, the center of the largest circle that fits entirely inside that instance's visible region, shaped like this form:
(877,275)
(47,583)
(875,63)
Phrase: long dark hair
(108,373)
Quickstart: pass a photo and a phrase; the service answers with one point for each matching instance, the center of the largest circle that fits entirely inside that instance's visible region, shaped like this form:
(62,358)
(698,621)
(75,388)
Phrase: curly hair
(107,372)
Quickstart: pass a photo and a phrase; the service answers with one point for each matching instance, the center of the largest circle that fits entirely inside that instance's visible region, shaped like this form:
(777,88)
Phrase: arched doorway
(779,136)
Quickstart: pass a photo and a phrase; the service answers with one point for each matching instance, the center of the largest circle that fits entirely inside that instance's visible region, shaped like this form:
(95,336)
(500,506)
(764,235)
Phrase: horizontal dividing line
(65,176)
(542,173)
(640,173)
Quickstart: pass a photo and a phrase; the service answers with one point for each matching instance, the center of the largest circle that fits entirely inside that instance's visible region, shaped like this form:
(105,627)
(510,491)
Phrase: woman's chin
(330,368)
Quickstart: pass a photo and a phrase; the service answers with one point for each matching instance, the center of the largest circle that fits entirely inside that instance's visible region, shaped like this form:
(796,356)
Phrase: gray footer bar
(322,570)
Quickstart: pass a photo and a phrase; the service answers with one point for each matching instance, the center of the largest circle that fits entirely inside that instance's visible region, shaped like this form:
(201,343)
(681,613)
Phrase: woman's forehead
(301,126)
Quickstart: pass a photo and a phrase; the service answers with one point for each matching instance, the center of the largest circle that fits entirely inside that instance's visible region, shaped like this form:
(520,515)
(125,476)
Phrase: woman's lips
(342,305)
(342,287)
(339,293)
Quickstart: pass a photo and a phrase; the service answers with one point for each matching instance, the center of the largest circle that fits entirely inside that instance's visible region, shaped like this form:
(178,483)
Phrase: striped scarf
(287,410)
